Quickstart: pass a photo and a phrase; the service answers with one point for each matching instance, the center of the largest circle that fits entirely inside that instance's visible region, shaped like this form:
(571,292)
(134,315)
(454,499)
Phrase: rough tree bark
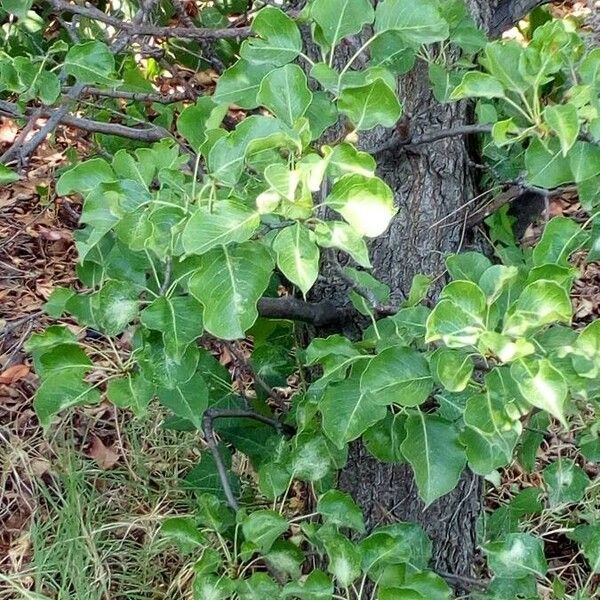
(430,182)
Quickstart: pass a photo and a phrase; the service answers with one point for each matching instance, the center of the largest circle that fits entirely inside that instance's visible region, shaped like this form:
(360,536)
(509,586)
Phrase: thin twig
(147,29)
(210,416)
(138,96)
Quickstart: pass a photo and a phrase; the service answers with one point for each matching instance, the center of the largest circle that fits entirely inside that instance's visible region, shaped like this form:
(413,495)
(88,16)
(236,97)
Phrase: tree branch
(208,420)
(429,137)
(319,314)
(58,115)
(135,29)
(509,12)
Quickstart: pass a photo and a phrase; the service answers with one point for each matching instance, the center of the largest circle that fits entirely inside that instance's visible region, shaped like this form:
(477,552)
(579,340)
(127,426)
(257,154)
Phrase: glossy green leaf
(542,385)
(228,221)
(383,440)
(491,433)
(478,85)
(178,318)
(84,177)
(518,555)
(212,587)
(541,303)
(366,203)
(285,93)
(338,19)
(18,8)
(468,266)
(277,40)
(118,305)
(297,256)
(584,160)
(432,448)
(347,412)
(316,586)
(547,168)
(372,104)
(397,376)
(453,369)
(336,234)
(7,176)
(183,532)
(344,559)
(239,84)
(188,400)
(263,527)
(257,587)
(195,120)
(561,237)
(132,392)
(418,23)
(58,393)
(91,62)
(565,481)
(229,283)
(339,508)
(564,122)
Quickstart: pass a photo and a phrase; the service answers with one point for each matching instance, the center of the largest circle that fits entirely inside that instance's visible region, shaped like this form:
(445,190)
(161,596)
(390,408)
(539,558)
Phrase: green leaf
(459,318)
(347,412)
(58,393)
(383,440)
(118,305)
(565,481)
(162,368)
(366,203)
(542,386)
(178,318)
(541,303)
(340,509)
(336,234)
(285,93)
(564,121)
(372,104)
(468,266)
(588,537)
(399,594)
(547,168)
(213,587)
(228,221)
(131,391)
(91,62)
(195,120)
(562,236)
(584,160)
(398,375)
(391,51)
(7,176)
(453,369)
(517,555)
(321,114)
(84,177)
(418,289)
(338,19)
(344,559)
(589,69)
(431,447)
(503,59)
(55,305)
(297,256)
(19,8)
(418,23)
(229,283)
(285,557)
(478,85)
(204,477)
(183,532)
(188,400)
(258,586)
(263,527)
(345,158)
(316,586)
(491,433)
(239,84)
(278,38)
(429,585)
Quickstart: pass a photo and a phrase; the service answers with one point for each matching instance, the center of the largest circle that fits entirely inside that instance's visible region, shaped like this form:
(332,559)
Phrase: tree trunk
(430,182)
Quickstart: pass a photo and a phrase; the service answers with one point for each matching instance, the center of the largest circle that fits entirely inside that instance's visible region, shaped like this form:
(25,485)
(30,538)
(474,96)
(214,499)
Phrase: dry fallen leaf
(14,374)
(105,457)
